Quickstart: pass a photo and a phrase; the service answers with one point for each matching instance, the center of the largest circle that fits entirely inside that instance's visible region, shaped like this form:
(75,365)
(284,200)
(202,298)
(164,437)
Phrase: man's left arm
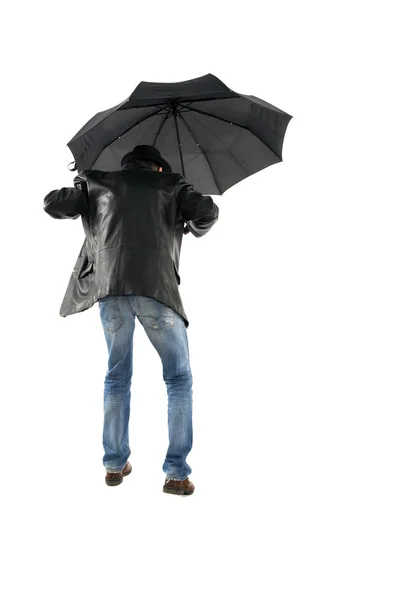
(68,202)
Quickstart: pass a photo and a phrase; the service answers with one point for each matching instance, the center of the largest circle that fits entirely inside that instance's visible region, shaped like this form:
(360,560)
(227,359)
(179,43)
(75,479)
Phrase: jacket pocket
(86,270)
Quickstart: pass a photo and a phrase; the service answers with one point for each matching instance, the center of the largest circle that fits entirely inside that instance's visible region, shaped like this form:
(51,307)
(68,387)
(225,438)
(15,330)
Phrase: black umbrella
(207,132)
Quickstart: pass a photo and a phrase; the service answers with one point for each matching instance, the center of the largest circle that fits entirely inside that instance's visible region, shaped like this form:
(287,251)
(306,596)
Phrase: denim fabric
(167,333)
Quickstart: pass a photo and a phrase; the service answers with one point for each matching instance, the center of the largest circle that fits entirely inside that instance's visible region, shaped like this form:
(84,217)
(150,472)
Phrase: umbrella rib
(201,148)
(134,125)
(161,126)
(236,125)
(229,150)
(179,142)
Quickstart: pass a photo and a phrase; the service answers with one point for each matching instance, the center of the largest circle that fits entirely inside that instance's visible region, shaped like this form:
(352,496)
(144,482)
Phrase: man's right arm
(68,202)
(200,212)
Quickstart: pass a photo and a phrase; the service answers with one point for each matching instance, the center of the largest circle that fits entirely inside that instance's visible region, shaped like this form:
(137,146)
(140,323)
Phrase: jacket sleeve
(200,212)
(68,202)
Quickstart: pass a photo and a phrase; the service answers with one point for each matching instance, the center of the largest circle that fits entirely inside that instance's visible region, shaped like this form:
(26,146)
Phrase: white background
(292,298)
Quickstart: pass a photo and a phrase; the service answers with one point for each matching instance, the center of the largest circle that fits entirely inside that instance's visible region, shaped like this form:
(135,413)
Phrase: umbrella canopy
(210,134)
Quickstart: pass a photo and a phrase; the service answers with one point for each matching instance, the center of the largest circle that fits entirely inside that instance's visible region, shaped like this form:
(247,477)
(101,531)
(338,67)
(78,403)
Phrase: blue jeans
(167,332)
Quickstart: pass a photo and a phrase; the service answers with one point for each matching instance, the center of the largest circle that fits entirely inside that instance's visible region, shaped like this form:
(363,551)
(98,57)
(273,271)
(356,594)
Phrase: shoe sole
(177,492)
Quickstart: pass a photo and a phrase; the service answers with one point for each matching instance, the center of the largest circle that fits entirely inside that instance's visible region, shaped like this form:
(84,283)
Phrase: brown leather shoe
(117,478)
(182,488)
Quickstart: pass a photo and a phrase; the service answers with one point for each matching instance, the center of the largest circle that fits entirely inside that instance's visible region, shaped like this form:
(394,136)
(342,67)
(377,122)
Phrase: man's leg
(167,332)
(118,323)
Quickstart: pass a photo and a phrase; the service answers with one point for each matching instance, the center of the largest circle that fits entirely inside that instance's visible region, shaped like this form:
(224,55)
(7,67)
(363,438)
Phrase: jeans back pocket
(110,314)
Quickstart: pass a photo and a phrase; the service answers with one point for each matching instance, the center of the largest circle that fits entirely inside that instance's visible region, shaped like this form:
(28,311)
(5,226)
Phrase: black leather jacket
(133,220)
